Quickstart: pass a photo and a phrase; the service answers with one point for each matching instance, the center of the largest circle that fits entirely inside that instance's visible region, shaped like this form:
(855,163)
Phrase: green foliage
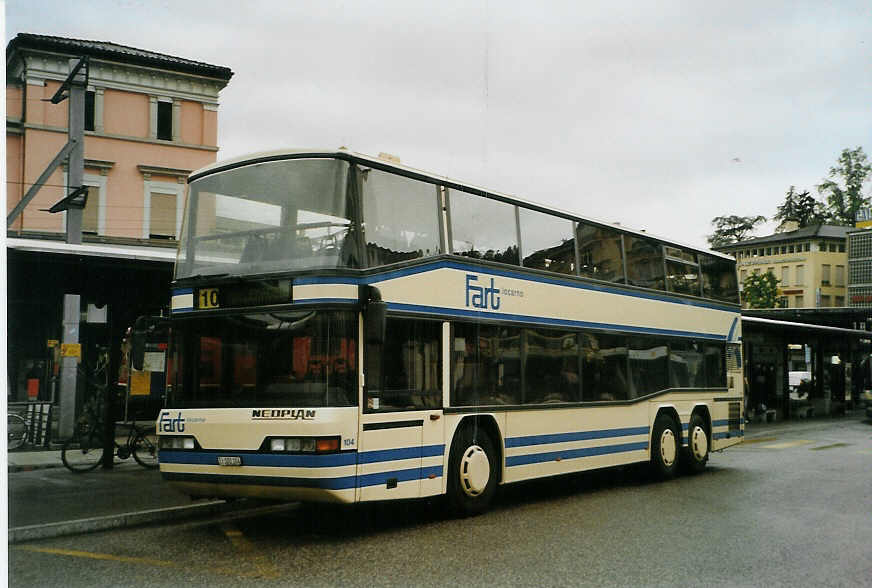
(803,208)
(843,189)
(761,291)
(732,229)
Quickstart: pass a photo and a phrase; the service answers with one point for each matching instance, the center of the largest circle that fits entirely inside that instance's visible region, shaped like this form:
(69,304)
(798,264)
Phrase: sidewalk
(47,500)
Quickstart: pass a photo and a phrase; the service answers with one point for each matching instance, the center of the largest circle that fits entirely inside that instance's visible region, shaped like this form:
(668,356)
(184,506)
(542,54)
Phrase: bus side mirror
(137,343)
(374,315)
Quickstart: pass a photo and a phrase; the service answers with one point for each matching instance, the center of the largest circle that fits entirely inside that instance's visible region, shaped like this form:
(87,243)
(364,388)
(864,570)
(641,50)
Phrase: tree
(844,188)
(803,208)
(761,291)
(732,229)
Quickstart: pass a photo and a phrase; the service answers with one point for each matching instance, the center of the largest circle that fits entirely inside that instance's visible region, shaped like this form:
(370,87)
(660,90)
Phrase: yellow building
(810,263)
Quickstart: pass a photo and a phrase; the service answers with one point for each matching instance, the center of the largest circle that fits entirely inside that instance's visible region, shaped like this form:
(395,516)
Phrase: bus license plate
(207,298)
(232,460)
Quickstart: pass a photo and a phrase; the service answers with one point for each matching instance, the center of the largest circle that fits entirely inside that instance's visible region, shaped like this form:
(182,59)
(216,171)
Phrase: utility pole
(78,81)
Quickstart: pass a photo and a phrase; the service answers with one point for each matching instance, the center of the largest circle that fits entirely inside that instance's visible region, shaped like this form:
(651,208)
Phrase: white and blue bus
(348,329)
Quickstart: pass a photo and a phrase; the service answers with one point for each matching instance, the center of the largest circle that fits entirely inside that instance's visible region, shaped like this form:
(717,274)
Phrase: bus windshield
(277,359)
(271,216)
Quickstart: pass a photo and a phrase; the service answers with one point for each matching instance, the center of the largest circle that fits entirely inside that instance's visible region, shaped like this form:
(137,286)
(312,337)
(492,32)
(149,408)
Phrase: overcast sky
(658,115)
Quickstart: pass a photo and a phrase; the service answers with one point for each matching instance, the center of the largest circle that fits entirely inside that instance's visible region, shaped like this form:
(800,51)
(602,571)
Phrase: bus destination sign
(261,293)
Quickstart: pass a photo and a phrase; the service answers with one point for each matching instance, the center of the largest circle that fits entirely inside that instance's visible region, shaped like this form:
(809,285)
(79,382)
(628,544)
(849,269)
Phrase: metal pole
(67,403)
(77,154)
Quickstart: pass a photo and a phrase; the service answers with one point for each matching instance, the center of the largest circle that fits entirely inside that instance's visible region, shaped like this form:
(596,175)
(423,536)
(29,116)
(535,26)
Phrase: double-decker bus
(348,329)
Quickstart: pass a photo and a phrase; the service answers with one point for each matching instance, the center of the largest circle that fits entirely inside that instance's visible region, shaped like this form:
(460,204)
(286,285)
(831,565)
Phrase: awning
(142,253)
(751,320)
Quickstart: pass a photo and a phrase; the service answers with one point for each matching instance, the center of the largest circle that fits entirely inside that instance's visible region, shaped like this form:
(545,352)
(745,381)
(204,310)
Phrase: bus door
(401,434)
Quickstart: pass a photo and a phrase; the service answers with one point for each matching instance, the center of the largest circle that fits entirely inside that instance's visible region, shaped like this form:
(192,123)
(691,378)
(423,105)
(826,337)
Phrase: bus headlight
(176,442)
(302,444)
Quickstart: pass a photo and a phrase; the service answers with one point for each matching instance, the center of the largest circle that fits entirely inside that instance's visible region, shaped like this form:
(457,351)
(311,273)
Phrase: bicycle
(16,431)
(84,450)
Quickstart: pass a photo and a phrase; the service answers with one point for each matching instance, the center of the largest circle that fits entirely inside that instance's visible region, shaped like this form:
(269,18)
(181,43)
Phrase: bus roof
(393,166)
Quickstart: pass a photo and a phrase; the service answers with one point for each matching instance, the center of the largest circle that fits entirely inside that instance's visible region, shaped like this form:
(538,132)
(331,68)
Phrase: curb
(228,510)
(29,468)
(75,527)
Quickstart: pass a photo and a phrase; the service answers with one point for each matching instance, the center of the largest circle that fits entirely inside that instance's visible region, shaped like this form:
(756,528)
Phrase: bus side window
(411,366)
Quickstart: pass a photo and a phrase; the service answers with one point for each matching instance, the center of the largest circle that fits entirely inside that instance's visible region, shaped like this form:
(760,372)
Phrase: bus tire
(698,444)
(665,447)
(473,471)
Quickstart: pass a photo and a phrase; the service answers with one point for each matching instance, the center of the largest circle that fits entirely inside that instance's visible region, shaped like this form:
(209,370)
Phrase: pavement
(47,500)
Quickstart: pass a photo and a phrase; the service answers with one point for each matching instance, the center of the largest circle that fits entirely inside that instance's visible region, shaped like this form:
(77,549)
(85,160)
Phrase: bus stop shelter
(800,370)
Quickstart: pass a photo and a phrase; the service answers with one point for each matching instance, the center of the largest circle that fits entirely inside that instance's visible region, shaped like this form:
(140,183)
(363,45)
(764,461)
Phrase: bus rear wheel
(665,447)
(473,471)
(697,453)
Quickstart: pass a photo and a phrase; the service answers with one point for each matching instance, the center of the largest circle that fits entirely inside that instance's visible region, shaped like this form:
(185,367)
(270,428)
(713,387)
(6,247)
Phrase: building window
(832,248)
(769,251)
(790,249)
(799,301)
(90,110)
(162,216)
(800,275)
(783,249)
(165,121)
(840,301)
(94,213)
(744,274)
(841,247)
(807,247)
(822,246)
(825,274)
(785,276)
(825,301)
(840,275)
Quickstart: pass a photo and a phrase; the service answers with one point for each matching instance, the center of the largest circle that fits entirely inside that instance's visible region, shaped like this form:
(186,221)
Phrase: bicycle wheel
(16,431)
(145,449)
(83,453)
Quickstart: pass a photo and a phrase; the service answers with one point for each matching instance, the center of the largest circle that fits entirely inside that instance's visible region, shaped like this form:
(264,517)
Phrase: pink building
(150,119)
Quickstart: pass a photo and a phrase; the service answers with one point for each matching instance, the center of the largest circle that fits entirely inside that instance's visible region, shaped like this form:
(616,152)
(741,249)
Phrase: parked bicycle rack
(37,415)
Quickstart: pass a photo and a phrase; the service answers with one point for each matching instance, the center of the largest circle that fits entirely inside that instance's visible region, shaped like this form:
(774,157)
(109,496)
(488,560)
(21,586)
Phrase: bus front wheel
(665,447)
(473,471)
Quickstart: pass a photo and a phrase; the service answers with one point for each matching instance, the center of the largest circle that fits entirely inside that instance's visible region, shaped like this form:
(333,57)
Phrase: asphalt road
(791,508)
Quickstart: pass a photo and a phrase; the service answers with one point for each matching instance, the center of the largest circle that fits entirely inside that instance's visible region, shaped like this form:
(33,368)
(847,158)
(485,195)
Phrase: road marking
(787,444)
(758,440)
(833,446)
(103,556)
(140,560)
(262,564)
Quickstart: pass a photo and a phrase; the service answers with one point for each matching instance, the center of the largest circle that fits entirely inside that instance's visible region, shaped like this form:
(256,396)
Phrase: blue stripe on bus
(303,461)
(340,483)
(404,453)
(409,271)
(733,329)
(261,459)
(550,321)
(182,291)
(518,460)
(575,436)
(726,434)
(400,475)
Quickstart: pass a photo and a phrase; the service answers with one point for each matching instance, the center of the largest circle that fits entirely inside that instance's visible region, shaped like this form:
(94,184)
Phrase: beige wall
(14,102)
(125,113)
(191,123)
(812,262)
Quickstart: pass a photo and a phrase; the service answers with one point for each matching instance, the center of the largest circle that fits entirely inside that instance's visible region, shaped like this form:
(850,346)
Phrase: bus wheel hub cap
(667,447)
(699,443)
(474,471)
